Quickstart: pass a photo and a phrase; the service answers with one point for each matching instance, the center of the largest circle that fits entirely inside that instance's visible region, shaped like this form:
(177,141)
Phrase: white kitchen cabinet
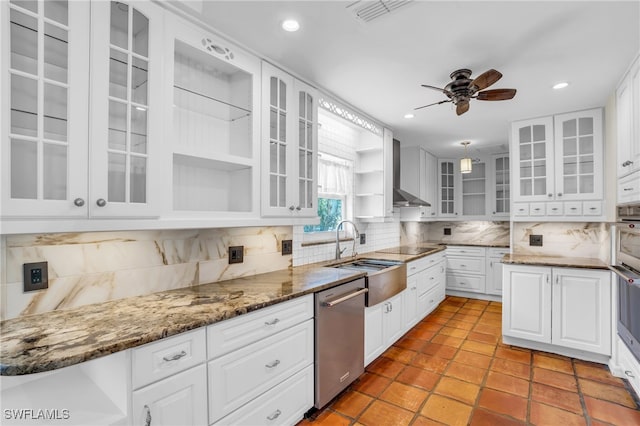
(423,275)
(410,302)
(383,325)
(466,269)
(212,115)
(562,307)
(180,399)
(253,354)
(448,184)
(557,166)
(289,145)
(494,270)
(59,160)
(628,121)
(500,185)
(373,177)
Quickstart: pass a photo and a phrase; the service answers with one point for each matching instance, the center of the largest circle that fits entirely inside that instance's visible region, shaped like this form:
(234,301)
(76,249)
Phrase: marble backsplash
(476,232)
(95,267)
(564,239)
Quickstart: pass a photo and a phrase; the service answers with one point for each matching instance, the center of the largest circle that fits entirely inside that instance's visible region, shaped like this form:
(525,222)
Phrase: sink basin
(384,279)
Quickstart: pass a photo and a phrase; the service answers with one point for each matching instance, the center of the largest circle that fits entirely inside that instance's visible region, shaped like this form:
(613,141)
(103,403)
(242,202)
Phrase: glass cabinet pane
(119,24)
(54,172)
(139,130)
(118,74)
(57,10)
(24,42)
(31,5)
(24,169)
(24,106)
(117,126)
(140,34)
(117,177)
(55,112)
(139,83)
(55,53)
(138,180)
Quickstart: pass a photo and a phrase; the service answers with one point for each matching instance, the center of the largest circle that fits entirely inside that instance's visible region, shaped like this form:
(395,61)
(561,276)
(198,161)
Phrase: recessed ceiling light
(409,115)
(290,25)
(560,85)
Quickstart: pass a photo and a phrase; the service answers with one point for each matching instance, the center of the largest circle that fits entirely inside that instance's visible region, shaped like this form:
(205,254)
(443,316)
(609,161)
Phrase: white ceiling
(378,66)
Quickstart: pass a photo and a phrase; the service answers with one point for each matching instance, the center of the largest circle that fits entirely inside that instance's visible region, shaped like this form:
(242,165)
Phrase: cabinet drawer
(423,263)
(285,404)
(592,208)
(226,336)
(537,209)
(629,188)
(466,283)
(238,377)
(430,300)
(556,208)
(465,251)
(629,364)
(521,209)
(472,265)
(497,252)
(573,208)
(431,278)
(166,357)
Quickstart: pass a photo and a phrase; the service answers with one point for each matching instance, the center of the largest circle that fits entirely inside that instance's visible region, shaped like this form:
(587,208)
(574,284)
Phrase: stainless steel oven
(627,268)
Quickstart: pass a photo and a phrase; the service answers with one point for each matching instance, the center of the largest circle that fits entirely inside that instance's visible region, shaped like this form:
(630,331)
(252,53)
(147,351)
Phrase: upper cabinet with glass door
(45,86)
(212,103)
(532,158)
(289,145)
(126,112)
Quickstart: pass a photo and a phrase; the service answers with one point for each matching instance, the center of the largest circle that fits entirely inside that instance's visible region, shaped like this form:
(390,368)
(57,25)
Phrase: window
(334,189)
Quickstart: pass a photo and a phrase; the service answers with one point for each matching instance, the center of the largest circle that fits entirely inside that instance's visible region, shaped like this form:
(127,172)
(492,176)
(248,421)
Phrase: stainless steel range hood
(402,198)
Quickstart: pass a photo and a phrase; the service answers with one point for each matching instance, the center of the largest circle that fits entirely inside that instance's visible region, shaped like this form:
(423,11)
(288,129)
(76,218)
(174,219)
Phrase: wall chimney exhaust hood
(402,198)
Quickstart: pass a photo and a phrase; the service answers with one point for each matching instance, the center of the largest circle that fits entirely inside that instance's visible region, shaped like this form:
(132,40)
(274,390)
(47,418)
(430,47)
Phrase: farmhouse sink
(384,279)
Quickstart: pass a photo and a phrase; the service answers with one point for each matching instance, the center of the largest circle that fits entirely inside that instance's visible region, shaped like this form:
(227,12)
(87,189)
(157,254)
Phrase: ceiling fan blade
(436,103)
(462,107)
(496,95)
(445,91)
(485,79)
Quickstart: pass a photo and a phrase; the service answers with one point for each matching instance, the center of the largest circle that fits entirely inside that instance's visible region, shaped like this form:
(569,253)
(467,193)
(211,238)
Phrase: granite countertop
(496,244)
(52,340)
(568,262)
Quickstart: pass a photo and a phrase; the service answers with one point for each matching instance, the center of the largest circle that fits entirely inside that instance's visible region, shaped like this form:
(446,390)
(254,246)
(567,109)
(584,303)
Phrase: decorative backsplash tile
(95,267)
(476,232)
(564,239)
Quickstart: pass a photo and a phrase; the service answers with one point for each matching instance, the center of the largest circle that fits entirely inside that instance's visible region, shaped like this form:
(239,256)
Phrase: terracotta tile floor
(452,368)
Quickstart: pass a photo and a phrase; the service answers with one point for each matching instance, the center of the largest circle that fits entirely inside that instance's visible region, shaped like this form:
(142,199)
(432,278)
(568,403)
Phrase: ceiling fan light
(465,165)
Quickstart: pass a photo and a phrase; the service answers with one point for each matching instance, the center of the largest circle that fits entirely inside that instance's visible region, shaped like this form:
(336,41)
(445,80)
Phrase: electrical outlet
(287,247)
(36,276)
(447,231)
(363,238)
(535,240)
(236,254)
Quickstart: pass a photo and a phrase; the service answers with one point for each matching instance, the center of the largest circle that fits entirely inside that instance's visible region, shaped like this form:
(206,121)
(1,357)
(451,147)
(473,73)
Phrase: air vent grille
(367,11)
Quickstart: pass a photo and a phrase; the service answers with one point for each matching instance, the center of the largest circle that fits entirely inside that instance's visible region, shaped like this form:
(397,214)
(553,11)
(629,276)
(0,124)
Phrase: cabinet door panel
(532,154)
(582,310)
(177,400)
(527,309)
(44,113)
(373,332)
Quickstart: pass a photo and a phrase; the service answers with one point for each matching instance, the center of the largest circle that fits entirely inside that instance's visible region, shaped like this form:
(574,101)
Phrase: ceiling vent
(367,11)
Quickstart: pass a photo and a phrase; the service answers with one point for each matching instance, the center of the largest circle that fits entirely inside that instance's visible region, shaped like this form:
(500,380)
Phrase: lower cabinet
(466,269)
(494,270)
(383,325)
(180,399)
(563,307)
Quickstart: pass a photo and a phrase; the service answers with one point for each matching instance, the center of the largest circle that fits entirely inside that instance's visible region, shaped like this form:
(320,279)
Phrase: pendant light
(465,163)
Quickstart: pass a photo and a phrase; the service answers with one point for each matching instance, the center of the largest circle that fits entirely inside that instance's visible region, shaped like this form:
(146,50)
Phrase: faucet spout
(357,235)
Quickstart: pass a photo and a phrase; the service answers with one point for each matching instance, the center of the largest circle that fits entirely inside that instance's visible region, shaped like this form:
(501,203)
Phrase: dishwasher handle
(341,299)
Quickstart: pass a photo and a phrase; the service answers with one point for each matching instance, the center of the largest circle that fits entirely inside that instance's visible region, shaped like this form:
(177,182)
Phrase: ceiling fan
(462,89)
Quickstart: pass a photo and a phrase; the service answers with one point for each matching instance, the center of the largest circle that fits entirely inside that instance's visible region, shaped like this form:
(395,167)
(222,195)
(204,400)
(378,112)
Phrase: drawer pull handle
(627,163)
(273,364)
(175,357)
(592,208)
(147,419)
(628,189)
(629,373)
(272,322)
(432,278)
(463,266)
(274,415)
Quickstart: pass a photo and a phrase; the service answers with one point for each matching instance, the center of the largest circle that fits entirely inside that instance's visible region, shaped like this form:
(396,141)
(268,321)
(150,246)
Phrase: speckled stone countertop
(567,262)
(52,340)
(57,339)
(472,243)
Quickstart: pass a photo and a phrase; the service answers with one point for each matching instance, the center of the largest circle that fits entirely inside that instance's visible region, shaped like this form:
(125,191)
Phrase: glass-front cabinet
(448,199)
(500,185)
(45,86)
(289,145)
(126,108)
(211,114)
(532,151)
(474,190)
(82,118)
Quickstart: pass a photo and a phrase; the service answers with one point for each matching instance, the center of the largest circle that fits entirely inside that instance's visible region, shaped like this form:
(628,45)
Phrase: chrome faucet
(355,228)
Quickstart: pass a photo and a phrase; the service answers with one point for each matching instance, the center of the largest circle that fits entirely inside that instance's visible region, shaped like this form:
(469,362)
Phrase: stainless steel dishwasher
(339,348)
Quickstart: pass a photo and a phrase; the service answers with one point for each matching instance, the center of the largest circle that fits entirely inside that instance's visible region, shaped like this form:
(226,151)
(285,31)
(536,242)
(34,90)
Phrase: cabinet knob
(627,163)
(629,373)
(549,195)
(275,415)
(298,208)
(101,202)
(79,202)
(292,208)
(559,194)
